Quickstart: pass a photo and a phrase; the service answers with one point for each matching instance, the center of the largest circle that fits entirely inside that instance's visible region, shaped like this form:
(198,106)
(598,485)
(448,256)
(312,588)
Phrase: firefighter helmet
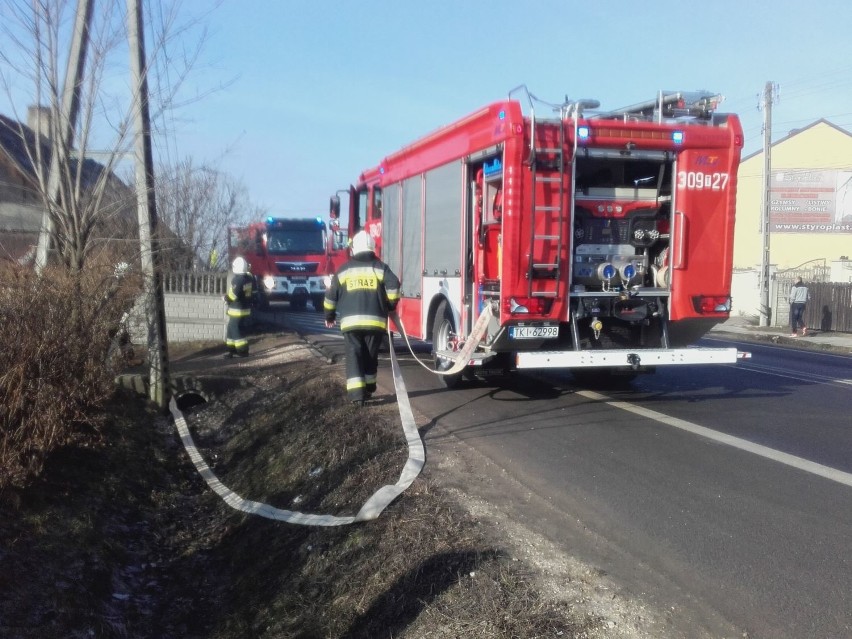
(363,243)
(240,266)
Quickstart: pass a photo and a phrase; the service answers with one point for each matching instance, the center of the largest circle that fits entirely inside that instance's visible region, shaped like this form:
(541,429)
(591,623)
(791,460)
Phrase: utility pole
(64,122)
(155,313)
(765,309)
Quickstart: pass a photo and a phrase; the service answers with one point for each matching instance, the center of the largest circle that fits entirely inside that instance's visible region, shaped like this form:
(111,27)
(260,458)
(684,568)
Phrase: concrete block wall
(189,317)
(194,317)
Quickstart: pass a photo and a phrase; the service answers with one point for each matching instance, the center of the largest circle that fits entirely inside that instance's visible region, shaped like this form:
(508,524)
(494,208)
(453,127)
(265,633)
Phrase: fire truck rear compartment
(619,252)
(622,218)
(618,248)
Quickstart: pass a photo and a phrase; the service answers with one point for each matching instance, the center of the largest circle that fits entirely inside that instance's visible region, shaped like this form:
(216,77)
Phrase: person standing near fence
(238,299)
(799,297)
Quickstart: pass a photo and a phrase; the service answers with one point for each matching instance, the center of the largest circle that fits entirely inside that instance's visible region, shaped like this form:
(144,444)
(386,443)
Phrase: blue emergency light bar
(294,224)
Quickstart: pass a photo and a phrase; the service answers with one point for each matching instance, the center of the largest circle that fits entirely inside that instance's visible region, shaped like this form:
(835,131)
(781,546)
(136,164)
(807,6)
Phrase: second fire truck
(597,241)
(291,258)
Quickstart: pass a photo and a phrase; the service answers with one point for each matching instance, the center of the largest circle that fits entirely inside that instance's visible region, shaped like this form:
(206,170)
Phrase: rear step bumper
(629,358)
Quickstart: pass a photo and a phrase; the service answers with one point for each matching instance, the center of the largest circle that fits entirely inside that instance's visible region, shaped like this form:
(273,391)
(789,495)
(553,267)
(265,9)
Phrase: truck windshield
(295,241)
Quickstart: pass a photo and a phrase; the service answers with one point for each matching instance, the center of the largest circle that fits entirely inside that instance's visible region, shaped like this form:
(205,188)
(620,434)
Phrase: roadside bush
(55,366)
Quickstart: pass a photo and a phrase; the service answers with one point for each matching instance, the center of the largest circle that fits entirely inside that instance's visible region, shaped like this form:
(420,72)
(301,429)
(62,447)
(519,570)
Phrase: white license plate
(298,280)
(533,332)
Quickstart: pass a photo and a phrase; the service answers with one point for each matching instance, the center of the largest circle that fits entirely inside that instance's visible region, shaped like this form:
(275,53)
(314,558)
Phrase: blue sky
(317,90)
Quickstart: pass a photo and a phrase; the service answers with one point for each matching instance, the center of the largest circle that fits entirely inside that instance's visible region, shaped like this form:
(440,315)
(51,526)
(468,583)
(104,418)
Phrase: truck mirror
(334,207)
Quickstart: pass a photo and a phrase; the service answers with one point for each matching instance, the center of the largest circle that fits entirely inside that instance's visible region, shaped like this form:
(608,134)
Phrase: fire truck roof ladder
(669,105)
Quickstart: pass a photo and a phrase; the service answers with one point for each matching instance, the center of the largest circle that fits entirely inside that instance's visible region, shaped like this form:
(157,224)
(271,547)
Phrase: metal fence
(196,282)
(808,273)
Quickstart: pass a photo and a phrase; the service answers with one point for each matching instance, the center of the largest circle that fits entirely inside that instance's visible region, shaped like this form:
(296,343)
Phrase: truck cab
(292,258)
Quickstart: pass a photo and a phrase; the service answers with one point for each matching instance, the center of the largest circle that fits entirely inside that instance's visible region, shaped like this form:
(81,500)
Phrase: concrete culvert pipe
(188,401)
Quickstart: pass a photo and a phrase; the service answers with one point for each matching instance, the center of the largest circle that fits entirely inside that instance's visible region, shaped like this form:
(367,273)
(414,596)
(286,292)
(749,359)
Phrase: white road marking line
(801,377)
(748,345)
(763,451)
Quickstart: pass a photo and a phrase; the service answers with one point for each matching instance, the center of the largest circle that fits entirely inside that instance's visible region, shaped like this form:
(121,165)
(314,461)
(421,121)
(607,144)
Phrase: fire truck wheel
(443,332)
(317,301)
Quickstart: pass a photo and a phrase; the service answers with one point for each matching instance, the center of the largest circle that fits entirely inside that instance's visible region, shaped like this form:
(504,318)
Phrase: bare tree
(87,203)
(198,204)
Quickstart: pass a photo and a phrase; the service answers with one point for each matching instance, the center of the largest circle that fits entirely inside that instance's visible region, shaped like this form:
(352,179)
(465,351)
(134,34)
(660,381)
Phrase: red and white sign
(810,201)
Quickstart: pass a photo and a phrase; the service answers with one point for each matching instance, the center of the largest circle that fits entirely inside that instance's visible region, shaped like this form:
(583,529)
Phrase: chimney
(39,120)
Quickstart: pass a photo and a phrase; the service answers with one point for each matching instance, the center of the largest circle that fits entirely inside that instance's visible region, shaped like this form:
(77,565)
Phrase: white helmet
(240,266)
(363,243)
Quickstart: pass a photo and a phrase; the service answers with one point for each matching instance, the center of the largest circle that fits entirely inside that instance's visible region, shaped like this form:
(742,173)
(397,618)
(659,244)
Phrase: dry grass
(55,365)
(126,540)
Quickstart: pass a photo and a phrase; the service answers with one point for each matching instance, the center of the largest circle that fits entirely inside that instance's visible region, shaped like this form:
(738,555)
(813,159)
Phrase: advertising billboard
(810,201)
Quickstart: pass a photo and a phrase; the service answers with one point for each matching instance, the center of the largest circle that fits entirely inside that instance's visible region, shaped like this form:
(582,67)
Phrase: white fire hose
(379,500)
(463,355)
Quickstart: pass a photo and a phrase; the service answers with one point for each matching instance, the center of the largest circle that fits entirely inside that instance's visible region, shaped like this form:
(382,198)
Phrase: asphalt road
(723,493)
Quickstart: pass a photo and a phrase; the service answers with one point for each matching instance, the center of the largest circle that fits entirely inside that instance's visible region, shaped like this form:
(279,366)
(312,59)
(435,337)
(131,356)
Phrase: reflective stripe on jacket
(239,295)
(362,293)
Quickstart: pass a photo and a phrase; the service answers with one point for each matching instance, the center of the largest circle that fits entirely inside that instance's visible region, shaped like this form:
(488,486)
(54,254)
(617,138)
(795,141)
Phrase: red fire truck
(598,241)
(291,258)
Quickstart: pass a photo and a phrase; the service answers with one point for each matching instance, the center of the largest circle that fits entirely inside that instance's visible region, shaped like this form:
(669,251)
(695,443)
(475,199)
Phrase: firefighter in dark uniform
(362,293)
(238,297)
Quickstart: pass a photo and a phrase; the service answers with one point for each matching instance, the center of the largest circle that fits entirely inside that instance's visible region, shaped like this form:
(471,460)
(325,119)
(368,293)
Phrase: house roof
(796,132)
(20,223)
(23,221)
(16,138)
